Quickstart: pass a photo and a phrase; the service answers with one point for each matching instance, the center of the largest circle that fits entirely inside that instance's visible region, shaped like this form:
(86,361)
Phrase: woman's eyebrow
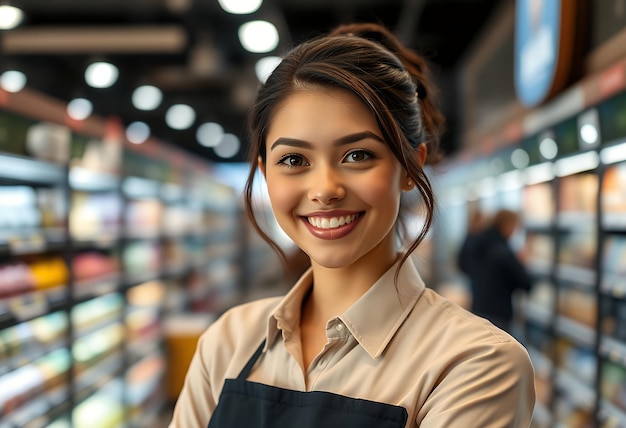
(347,139)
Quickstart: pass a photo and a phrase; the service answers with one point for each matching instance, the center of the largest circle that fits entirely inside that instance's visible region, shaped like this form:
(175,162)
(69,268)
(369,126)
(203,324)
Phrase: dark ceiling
(195,57)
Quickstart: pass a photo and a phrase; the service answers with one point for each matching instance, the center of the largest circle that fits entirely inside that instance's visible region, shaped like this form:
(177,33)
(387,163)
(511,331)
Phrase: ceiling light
(589,133)
(10,17)
(265,66)
(548,148)
(137,132)
(228,146)
(240,7)
(101,75)
(180,116)
(79,108)
(209,134)
(147,97)
(519,158)
(12,81)
(258,36)
(588,129)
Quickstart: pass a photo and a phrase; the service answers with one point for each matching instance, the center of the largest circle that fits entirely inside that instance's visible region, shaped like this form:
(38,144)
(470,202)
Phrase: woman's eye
(358,156)
(292,161)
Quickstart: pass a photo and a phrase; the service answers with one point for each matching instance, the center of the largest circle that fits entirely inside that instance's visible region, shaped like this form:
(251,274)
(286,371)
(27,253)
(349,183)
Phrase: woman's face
(333,183)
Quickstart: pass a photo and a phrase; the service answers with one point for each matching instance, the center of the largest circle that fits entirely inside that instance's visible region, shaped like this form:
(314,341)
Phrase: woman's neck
(336,289)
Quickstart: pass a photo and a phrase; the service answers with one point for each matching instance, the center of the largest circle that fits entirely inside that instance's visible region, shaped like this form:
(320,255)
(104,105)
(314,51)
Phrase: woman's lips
(332,227)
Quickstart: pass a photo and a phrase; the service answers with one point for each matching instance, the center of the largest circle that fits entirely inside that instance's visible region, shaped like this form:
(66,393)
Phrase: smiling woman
(341,129)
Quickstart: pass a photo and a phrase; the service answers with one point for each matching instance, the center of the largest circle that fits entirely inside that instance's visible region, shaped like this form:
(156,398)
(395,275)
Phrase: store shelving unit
(100,242)
(34,291)
(572,196)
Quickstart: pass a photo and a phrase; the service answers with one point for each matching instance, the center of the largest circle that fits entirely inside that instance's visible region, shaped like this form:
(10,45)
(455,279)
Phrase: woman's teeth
(331,222)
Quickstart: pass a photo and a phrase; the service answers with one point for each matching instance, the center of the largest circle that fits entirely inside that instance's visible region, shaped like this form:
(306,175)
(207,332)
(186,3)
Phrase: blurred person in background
(475,225)
(341,130)
(494,270)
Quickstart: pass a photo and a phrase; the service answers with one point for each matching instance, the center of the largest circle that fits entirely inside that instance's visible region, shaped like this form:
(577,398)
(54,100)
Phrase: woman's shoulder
(449,319)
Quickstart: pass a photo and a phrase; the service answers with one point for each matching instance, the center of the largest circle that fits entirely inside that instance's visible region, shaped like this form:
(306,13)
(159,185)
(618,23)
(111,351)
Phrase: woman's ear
(422,153)
(261,165)
(420,156)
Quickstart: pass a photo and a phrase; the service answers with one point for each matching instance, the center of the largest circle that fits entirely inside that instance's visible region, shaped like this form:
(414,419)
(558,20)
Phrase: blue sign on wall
(537,32)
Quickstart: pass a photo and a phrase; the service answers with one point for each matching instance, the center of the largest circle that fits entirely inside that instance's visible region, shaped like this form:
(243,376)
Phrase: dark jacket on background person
(495,273)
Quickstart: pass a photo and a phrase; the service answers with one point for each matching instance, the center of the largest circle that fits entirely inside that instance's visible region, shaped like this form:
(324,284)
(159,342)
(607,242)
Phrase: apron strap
(245,372)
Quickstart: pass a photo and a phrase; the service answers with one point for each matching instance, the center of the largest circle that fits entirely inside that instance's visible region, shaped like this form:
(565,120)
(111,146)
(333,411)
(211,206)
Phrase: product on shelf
(578,246)
(538,203)
(614,257)
(578,194)
(49,141)
(104,409)
(93,264)
(95,216)
(614,194)
(540,250)
(19,209)
(49,272)
(98,311)
(15,279)
(91,349)
(32,381)
(143,217)
(142,258)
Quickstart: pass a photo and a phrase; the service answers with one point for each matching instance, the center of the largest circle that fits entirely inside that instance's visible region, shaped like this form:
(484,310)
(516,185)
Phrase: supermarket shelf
(582,277)
(34,241)
(539,268)
(611,415)
(614,222)
(87,180)
(614,285)
(27,306)
(17,169)
(39,411)
(101,285)
(107,219)
(538,314)
(542,364)
(576,391)
(575,331)
(613,350)
(95,377)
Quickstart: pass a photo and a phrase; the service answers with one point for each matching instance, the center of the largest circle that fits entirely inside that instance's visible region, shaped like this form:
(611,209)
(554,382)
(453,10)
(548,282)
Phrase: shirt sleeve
(492,387)
(196,402)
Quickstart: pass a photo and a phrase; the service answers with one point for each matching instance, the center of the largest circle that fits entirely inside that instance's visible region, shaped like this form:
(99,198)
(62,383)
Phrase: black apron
(244,404)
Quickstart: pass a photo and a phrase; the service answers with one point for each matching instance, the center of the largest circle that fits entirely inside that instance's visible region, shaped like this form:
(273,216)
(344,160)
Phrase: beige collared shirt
(400,343)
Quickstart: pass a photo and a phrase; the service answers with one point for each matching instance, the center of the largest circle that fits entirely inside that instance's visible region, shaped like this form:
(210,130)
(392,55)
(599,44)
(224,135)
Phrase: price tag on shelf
(28,305)
(58,294)
(34,243)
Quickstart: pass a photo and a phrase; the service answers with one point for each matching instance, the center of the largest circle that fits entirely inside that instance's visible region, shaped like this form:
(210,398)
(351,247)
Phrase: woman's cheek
(281,197)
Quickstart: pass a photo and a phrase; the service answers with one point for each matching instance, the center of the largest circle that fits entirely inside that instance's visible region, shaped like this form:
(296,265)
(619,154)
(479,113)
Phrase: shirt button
(339,327)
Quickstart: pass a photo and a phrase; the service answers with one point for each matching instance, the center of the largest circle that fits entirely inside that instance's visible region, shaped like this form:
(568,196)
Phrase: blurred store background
(122,159)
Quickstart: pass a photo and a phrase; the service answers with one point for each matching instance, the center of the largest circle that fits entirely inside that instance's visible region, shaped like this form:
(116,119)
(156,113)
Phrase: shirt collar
(373,320)
(286,316)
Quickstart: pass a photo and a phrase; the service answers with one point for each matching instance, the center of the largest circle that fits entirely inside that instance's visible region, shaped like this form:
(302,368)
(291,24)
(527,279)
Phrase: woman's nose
(326,187)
